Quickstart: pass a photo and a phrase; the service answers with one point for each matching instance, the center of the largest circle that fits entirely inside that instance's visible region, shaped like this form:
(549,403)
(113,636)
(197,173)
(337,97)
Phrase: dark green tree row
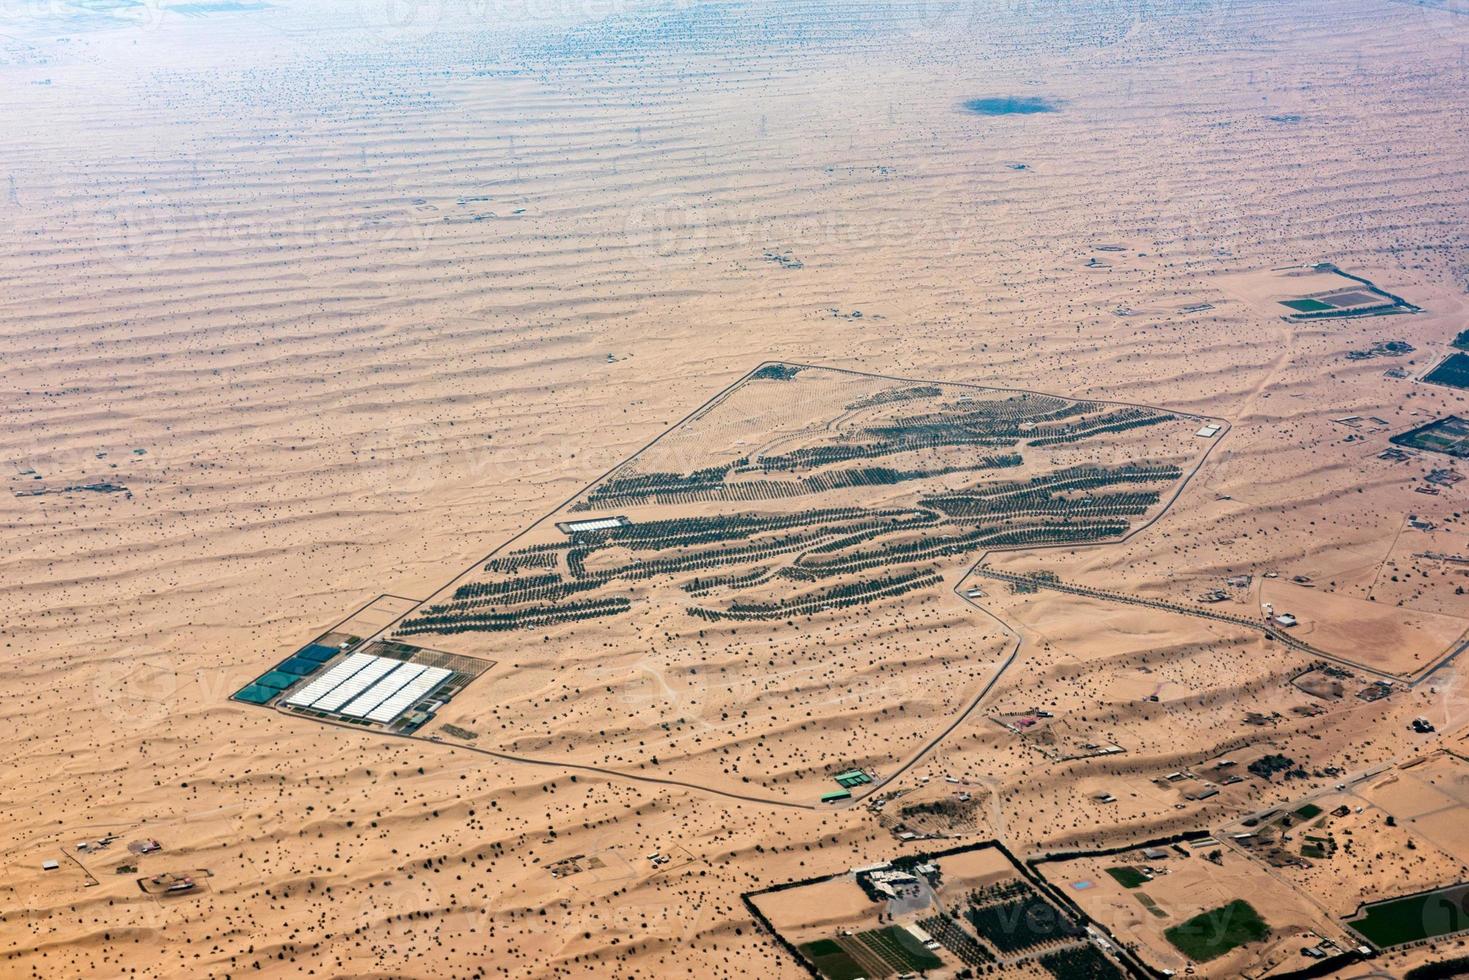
(1121,422)
(683,531)
(736,580)
(1040,502)
(822,600)
(939,546)
(889,395)
(536,616)
(541,556)
(1072,478)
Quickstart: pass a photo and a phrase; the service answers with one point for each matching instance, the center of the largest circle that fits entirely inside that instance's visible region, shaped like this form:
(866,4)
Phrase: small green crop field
(1128,877)
(1309,812)
(1307,305)
(1209,935)
(1405,920)
(832,961)
(1462,340)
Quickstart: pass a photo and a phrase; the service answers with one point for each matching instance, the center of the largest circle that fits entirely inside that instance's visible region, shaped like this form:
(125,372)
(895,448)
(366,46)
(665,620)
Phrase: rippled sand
(333,298)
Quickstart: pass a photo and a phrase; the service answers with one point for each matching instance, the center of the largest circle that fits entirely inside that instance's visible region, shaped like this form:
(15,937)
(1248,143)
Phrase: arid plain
(325,305)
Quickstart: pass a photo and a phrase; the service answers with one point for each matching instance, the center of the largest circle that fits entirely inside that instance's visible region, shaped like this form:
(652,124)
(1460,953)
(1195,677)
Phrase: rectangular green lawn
(1128,877)
(1307,305)
(1209,935)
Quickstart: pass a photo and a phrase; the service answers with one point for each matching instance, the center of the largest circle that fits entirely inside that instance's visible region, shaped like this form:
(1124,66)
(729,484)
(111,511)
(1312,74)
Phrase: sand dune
(333,298)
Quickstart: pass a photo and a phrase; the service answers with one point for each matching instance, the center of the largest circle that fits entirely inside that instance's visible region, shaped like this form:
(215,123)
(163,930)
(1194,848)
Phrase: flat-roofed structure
(320,687)
(371,688)
(414,691)
(593,524)
(341,677)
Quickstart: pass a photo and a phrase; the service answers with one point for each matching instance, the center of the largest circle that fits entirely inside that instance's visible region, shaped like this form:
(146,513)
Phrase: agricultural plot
(976,916)
(1452,372)
(952,936)
(1013,918)
(833,962)
(899,949)
(1442,912)
(1209,935)
(1448,435)
(1080,963)
(882,487)
(1128,877)
(1315,292)
(339,677)
(864,498)
(799,502)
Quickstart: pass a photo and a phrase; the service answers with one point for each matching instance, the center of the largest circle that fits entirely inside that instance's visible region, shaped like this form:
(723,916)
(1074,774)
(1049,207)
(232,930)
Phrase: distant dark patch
(1289,117)
(1015,105)
(204,9)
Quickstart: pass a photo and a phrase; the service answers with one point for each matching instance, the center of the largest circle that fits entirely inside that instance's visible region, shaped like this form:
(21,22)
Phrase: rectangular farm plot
(1448,435)
(1306,305)
(956,913)
(1314,292)
(1442,912)
(392,684)
(1451,372)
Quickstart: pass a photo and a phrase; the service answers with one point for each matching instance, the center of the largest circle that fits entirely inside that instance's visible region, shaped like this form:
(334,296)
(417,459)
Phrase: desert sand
(306,304)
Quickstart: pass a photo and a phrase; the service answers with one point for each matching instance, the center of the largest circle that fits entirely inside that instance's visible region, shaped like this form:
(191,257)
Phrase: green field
(1309,811)
(900,948)
(1405,920)
(1307,305)
(1452,372)
(1209,935)
(1462,340)
(832,961)
(1128,877)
